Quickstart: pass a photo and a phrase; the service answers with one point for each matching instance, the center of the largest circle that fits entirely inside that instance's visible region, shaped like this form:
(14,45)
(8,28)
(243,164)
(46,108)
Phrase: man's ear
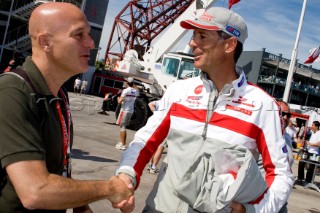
(230,44)
(44,42)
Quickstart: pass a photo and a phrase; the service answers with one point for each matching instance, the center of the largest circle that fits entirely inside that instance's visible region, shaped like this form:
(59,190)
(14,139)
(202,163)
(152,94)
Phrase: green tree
(100,64)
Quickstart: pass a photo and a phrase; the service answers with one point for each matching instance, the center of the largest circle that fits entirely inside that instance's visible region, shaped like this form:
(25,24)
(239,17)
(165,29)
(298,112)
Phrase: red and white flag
(232,2)
(314,54)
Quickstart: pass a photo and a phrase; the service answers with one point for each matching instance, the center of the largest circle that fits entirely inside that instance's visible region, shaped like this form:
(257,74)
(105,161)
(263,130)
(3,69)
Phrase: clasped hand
(121,198)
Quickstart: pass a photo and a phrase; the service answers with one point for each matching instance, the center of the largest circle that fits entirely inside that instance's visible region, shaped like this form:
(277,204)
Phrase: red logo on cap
(198,89)
(206,16)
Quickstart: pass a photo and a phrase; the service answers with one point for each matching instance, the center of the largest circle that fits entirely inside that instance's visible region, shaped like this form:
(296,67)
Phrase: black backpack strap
(26,77)
(41,100)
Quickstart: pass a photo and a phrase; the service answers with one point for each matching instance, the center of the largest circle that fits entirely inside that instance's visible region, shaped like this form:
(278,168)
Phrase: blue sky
(272,24)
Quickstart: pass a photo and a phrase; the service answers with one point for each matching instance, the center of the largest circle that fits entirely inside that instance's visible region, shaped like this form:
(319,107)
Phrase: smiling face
(210,49)
(207,48)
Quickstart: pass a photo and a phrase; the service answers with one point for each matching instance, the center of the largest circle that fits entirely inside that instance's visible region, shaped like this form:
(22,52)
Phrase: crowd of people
(218,128)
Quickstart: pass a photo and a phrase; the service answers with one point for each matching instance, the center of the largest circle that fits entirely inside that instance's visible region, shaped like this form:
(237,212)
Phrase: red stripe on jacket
(234,124)
(224,121)
(151,146)
(250,130)
(181,111)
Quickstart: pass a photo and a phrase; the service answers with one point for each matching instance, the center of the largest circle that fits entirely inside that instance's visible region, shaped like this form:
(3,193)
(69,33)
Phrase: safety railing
(294,85)
(17,33)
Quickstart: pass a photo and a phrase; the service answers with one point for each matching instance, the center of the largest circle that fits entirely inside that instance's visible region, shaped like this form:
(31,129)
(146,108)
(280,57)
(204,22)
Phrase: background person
(105,107)
(127,100)
(286,115)
(10,66)
(83,89)
(76,85)
(313,148)
(155,159)
(35,148)
(301,132)
(16,61)
(291,131)
(218,108)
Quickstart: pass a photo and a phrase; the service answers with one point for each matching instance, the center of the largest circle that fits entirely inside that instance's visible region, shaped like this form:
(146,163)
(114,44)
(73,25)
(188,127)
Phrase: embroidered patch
(239,109)
(233,31)
(198,89)
(194,99)
(242,101)
(206,16)
(285,149)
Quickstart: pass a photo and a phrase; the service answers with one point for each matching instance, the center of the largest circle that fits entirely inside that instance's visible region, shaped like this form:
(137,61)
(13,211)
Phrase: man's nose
(192,43)
(89,42)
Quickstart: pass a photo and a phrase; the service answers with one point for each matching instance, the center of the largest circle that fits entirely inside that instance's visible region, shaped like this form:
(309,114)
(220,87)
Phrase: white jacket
(191,115)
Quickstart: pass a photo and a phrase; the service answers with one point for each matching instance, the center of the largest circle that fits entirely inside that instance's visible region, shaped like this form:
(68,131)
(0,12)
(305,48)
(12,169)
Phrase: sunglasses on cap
(288,114)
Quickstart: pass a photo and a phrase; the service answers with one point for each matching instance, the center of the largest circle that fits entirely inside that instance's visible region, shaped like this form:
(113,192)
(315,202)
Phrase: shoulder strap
(41,109)
(22,73)
(41,105)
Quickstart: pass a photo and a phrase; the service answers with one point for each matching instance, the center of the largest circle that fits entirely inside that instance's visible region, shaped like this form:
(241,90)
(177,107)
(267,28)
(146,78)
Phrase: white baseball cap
(294,121)
(129,79)
(219,18)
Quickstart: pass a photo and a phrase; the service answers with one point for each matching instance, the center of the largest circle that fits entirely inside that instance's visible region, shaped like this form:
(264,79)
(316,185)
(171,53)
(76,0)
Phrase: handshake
(121,193)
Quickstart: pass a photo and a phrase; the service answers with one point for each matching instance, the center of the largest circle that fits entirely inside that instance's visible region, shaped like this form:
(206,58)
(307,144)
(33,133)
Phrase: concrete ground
(95,157)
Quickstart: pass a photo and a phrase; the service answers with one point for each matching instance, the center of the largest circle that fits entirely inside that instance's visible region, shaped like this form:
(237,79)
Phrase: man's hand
(237,207)
(125,206)
(119,190)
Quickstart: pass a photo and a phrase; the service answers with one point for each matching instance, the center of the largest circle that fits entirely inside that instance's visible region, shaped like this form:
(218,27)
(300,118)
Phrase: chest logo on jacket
(242,105)
(198,90)
(193,99)
(243,101)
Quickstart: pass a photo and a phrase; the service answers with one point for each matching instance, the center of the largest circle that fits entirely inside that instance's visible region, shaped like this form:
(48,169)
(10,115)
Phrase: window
(170,66)
(118,84)
(108,82)
(187,70)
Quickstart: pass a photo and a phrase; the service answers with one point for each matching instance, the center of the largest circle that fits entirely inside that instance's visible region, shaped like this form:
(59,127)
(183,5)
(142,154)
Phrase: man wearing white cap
(127,99)
(204,119)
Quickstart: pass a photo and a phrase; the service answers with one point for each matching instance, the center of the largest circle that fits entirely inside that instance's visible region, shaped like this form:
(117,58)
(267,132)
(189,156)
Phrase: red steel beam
(141,21)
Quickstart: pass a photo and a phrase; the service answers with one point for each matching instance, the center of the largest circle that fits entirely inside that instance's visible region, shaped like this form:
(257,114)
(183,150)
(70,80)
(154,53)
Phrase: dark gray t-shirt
(23,136)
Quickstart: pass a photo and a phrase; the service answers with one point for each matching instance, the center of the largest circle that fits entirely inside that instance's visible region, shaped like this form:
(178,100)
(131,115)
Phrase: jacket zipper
(210,107)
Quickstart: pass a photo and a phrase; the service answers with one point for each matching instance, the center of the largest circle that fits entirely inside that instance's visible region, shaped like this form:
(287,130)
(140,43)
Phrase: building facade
(14,15)
(270,71)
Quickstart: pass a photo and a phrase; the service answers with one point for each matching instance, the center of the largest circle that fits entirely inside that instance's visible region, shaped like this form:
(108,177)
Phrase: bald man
(35,148)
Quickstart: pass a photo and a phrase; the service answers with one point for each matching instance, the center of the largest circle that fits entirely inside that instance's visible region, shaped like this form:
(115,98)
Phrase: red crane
(139,22)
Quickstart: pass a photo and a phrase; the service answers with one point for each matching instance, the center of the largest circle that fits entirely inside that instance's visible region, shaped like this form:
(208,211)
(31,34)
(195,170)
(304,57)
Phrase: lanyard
(65,129)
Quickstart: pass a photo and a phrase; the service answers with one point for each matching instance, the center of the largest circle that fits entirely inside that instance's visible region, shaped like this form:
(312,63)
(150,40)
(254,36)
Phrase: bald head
(60,39)
(284,107)
(52,17)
